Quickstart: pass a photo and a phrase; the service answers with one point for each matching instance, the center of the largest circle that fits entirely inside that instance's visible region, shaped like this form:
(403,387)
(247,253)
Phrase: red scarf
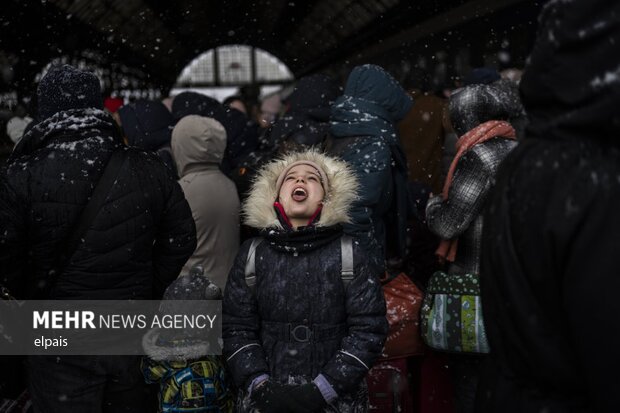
(479,134)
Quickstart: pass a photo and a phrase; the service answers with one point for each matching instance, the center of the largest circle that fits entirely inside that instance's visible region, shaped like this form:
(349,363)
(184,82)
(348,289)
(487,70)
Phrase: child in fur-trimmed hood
(302,339)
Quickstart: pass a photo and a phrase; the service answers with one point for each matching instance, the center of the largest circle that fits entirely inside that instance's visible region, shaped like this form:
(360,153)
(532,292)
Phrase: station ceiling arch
(159,38)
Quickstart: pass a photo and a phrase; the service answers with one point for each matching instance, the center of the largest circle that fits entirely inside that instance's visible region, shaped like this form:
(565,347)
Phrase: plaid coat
(461,214)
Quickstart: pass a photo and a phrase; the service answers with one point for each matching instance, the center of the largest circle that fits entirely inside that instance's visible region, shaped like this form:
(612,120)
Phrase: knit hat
(320,171)
(64,87)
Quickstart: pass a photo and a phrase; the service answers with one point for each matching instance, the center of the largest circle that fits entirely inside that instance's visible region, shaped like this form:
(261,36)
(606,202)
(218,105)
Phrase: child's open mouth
(299,194)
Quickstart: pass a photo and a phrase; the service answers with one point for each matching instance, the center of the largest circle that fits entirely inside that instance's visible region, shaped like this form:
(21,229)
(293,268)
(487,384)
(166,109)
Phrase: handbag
(452,314)
(403,300)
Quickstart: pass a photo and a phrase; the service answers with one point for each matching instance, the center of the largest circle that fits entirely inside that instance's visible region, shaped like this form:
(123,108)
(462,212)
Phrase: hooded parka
(299,288)
(363,127)
(198,146)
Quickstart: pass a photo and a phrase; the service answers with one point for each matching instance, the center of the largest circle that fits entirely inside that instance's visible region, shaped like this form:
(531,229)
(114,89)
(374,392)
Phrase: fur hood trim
(258,211)
(179,351)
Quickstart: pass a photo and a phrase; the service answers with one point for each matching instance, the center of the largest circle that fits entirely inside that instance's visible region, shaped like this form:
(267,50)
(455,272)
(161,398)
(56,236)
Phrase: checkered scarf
(481,133)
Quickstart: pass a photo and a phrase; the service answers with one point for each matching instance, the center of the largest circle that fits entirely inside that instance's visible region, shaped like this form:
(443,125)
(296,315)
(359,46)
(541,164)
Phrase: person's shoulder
(489,153)
(147,161)
(17,170)
(142,155)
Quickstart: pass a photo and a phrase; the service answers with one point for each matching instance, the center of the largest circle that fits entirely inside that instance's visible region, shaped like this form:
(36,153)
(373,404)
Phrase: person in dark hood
(552,237)
(148,125)
(241,139)
(136,246)
(235,102)
(306,121)
(193,103)
(241,133)
(364,135)
(302,338)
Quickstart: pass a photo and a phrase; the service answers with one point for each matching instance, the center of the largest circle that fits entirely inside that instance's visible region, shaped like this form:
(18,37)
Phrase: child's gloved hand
(271,397)
(307,398)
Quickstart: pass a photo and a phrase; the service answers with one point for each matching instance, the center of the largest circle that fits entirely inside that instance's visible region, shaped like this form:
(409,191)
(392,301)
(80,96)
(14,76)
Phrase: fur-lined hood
(182,349)
(258,210)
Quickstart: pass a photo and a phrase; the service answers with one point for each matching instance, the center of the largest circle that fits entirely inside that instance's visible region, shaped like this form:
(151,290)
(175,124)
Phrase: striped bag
(452,314)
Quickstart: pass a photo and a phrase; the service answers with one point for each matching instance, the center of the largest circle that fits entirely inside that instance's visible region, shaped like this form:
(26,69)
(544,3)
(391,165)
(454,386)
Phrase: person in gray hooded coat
(198,145)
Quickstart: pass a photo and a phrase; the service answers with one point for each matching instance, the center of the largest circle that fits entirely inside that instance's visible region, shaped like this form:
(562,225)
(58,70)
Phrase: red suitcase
(389,388)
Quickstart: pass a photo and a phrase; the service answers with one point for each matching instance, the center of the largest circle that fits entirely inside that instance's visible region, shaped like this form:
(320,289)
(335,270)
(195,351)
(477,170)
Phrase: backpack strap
(250,264)
(65,250)
(346,251)
(346,270)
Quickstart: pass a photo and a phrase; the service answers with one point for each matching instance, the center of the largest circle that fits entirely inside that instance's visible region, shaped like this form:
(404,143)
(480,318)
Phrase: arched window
(234,65)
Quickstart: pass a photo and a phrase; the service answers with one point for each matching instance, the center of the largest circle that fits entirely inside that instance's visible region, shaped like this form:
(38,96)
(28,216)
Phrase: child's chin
(299,215)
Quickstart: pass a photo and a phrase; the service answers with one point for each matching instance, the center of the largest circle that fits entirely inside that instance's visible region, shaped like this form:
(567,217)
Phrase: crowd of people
(293,223)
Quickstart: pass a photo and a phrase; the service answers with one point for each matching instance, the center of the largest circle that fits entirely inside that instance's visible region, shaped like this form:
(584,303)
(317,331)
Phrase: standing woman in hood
(198,146)
(363,127)
(300,338)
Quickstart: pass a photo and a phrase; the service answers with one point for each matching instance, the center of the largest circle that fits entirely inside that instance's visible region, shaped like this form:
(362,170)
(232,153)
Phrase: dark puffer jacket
(138,242)
(550,276)
(299,284)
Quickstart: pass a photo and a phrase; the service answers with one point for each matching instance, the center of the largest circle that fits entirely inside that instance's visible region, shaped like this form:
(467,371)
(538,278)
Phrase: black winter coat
(303,288)
(550,275)
(550,279)
(138,242)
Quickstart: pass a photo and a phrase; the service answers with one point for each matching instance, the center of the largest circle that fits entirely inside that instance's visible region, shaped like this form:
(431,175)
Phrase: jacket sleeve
(13,248)
(176,234)
(367,327)
(449,218)
(241,326)
(371,160)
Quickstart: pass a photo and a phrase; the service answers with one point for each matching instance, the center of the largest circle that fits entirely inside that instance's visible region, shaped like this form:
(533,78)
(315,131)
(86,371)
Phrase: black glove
(271,397)
(307,398)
